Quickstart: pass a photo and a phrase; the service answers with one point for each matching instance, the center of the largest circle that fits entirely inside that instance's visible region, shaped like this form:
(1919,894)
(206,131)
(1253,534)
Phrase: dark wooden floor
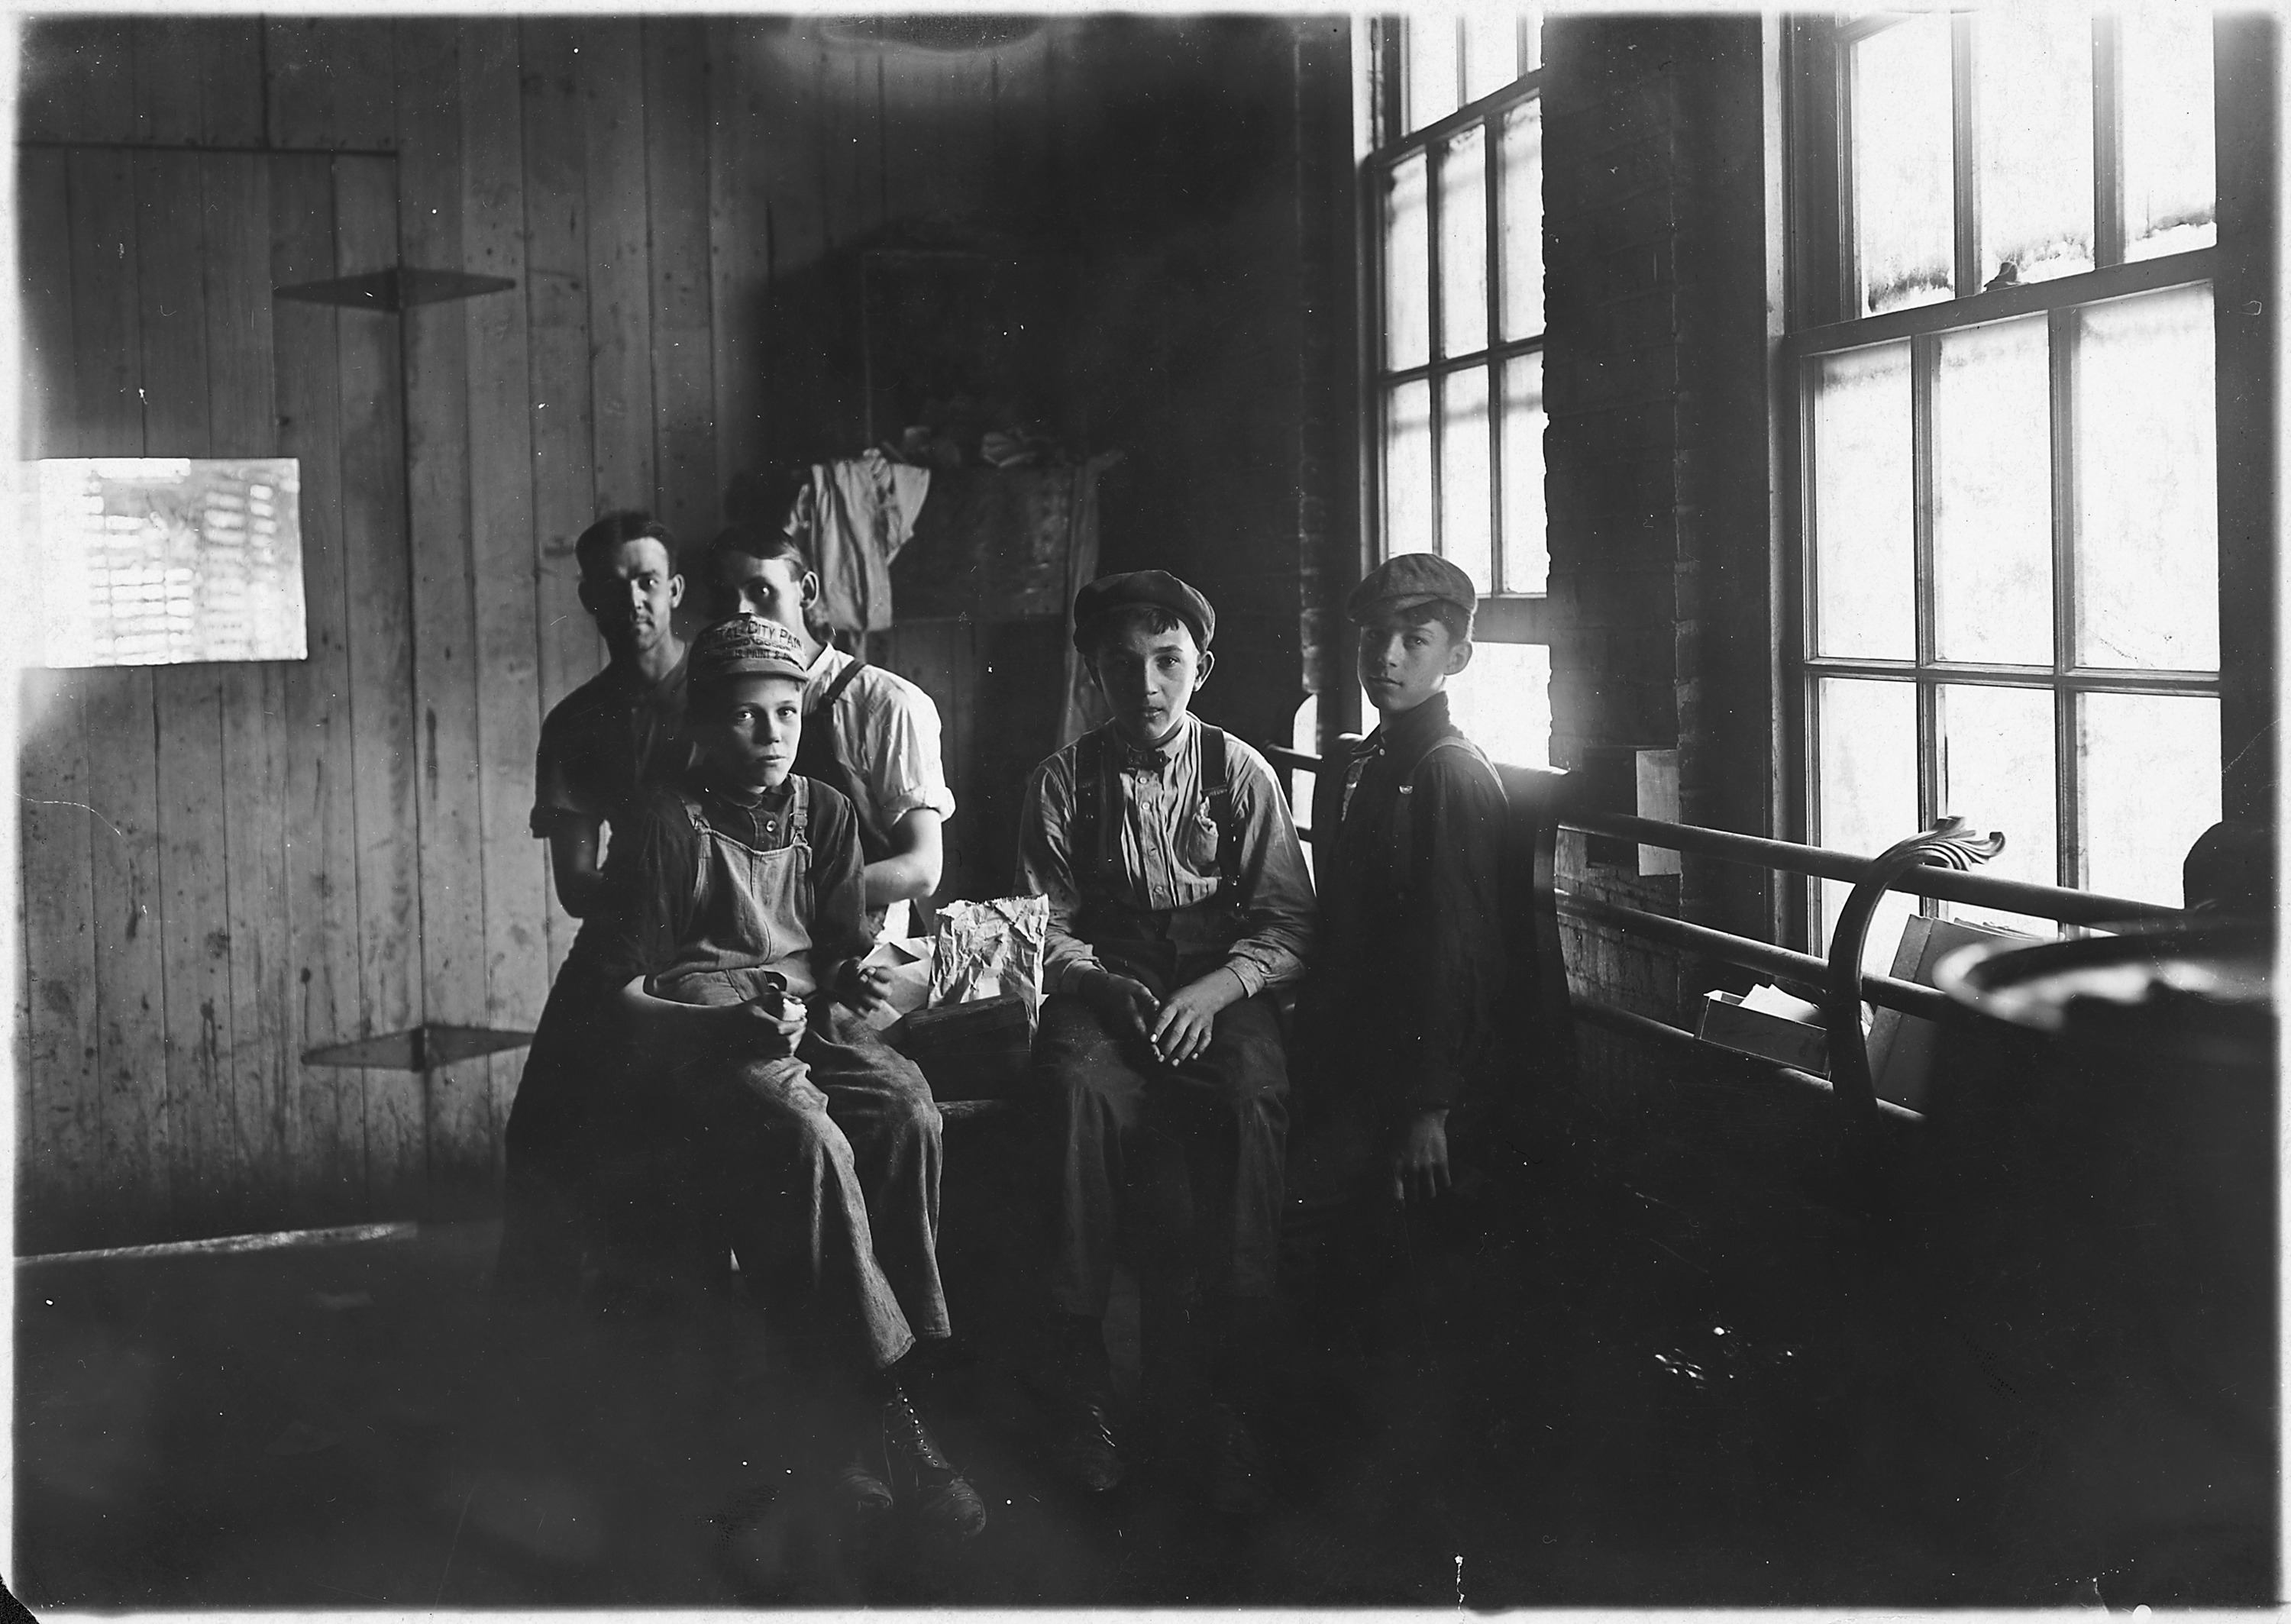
(1644,1424)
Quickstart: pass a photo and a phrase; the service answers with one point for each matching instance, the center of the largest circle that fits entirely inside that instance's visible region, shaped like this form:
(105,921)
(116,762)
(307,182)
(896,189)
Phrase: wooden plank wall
(224,865)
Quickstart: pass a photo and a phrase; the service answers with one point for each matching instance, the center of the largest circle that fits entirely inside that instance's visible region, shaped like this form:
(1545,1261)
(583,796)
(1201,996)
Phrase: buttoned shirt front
(1166,837)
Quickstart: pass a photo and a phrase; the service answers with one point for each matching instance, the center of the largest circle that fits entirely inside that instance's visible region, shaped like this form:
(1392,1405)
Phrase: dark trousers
(1181,1165)
(822,1171)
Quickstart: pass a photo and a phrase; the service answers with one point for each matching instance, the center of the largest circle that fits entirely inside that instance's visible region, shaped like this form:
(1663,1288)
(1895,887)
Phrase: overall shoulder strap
(1084,845)
(691,805)
(1217,791)
(799,812)
(835,689)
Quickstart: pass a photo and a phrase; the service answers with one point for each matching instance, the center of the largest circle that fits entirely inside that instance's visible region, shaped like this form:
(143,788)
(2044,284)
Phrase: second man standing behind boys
(1179,901)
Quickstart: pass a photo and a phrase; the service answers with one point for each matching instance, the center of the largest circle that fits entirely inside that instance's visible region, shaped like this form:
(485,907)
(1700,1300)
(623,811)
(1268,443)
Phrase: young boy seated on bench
(1179,903)
(725,1061)
(1395,1026)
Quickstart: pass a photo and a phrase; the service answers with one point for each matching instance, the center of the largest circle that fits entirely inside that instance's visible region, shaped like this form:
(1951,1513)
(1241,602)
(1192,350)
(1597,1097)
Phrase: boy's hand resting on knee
(1420,1162)
(1124,1003)
(1189,1019)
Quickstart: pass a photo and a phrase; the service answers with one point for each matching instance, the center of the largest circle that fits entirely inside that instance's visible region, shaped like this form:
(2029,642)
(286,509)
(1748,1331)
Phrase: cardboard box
(1726,1021)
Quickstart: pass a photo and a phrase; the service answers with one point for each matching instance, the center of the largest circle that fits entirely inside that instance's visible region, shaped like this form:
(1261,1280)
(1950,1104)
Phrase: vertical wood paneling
(59,1120)
(788,158)
(461,1126)
(385,742)
(231,91)
(330,83)
(499,452)
(243,422)
(79,80)
(169,51)
(557,271)
(326,1124)
(131,999)
(194,917)
(677,194)
(741,225)
(620,279)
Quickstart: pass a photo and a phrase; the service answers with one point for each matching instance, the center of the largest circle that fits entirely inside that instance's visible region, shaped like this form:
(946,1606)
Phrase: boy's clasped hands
(1177,1029)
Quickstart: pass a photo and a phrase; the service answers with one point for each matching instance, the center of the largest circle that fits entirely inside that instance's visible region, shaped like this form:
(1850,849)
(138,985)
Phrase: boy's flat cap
(1155,587)
(1410,579)
(746,646)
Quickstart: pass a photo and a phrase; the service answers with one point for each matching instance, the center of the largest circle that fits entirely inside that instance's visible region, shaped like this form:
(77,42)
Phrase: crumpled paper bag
(987,949)
(909,962)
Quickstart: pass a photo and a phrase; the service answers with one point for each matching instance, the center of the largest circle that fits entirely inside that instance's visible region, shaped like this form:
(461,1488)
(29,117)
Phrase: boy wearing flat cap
(1179,903)
(1397,1027)
(710,1057)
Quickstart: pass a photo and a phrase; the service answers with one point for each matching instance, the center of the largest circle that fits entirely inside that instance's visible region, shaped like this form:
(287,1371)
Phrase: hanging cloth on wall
(853,517)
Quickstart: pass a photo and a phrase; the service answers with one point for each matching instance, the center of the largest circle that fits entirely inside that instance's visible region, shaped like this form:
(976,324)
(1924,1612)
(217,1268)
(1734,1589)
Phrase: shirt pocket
(1197,842)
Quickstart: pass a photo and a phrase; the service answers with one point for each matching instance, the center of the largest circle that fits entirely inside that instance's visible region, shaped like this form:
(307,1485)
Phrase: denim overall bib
(823,1164)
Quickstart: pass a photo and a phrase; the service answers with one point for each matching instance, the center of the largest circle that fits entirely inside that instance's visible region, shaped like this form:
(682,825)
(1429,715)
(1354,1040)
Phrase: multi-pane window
(2006,428)
(1454,177)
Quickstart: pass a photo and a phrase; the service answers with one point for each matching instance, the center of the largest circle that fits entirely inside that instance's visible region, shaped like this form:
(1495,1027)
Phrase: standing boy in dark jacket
(1397,1027)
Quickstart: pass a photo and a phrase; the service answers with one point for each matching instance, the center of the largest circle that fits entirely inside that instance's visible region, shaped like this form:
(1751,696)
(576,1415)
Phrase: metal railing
(1939,862)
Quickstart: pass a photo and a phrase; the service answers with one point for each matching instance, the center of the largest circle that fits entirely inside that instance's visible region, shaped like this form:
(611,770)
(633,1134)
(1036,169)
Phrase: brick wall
(1657,471)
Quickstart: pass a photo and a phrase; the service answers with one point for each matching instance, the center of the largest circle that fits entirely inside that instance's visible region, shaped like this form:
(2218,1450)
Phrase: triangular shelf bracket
(398,287)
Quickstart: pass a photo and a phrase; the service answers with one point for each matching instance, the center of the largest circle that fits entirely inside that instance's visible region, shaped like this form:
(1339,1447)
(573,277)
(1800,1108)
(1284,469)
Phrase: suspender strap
(835,689)
(1217,791)
(1403,823)
(799,812)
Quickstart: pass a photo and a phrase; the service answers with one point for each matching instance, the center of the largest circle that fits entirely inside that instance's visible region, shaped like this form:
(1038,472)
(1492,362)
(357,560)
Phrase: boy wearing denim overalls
(1179,903)
(726,1055)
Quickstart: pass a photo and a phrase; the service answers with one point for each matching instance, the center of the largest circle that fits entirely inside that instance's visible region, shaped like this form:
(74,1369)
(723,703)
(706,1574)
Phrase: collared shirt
(1168,840)
(891,729)
(1412,955)
(603,745)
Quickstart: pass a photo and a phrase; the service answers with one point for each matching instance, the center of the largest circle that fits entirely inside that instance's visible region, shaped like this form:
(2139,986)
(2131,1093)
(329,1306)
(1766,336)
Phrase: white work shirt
(890,728)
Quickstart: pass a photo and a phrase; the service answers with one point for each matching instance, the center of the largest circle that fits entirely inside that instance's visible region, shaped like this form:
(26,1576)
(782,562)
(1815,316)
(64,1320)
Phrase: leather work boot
(924,1479)
(1085,1448)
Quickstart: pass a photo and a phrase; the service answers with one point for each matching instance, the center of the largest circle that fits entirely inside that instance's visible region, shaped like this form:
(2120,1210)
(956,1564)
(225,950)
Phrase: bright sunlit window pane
(1432,88)
(1998,770)
(1407,267)
(169,562)
(1904,225)
(1992,496)
(2151,777)
(2034,140)
(2147,514)
(1408,469)
(1502,701)
(1866,792)
(1526,557)
(2170,202)
(1466,535)
(1863,587)
(1521,171)
(1464,244)
(1491,51)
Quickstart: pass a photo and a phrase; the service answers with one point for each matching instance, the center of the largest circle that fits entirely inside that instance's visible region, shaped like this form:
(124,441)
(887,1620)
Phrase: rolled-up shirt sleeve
(1045,869)
(1276,892)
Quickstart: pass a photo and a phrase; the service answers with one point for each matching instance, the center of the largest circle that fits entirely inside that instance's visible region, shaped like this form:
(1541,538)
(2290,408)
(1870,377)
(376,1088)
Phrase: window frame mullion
(2068,702)
(1924,360)
(1964,153)
(2108,239)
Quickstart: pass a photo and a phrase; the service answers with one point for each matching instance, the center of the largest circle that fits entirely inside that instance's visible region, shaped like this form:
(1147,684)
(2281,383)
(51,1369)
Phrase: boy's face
(1148,678)
(1403,665)
(633,591)
(771,589)
(749,727)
